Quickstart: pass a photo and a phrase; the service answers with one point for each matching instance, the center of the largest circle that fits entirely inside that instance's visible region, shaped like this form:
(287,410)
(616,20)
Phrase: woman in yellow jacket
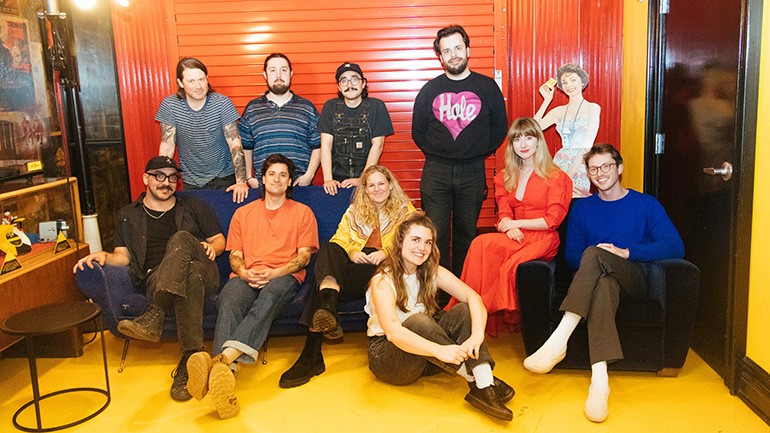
(345,265)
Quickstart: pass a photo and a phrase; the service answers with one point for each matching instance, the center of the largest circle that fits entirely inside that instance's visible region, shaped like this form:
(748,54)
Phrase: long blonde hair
(394,267)
(544,165)
(366,211)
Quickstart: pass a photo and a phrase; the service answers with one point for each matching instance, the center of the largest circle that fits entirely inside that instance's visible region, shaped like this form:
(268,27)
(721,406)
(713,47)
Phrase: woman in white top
(577,124)
(410,336)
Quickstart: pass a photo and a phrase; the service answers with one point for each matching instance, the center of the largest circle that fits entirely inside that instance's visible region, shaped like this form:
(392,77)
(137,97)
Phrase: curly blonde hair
(365,210)
(394,266)
(544,165)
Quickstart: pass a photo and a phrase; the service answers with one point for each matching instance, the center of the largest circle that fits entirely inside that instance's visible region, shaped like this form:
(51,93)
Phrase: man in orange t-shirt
(270,243)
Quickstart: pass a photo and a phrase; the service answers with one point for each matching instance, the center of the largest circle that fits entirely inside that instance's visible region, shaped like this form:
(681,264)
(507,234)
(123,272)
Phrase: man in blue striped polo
(281,122)
(205,126)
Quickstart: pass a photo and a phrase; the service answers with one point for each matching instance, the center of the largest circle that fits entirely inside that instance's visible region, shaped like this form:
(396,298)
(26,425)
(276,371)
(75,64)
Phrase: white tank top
(413,307)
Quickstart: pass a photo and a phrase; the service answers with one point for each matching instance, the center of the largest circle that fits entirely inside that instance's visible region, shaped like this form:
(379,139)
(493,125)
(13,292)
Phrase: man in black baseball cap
(161,237)
(353,129)
(158,162)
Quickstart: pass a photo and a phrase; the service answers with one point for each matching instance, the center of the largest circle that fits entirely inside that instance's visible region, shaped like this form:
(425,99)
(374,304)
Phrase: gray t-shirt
(200,138)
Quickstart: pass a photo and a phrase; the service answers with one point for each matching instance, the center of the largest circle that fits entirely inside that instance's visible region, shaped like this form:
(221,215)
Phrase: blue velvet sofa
(111,288)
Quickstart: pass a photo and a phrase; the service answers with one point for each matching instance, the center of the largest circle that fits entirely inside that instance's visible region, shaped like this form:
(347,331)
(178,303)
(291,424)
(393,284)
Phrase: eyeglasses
(161,177)
(354,81)
(605,168)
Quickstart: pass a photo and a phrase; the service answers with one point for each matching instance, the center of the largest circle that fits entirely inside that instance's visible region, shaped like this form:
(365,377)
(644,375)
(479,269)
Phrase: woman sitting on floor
(533,197)
(346,264)
(409,334)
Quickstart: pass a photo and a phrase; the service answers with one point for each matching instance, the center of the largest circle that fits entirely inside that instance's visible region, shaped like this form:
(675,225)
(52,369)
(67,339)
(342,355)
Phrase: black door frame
(743,186)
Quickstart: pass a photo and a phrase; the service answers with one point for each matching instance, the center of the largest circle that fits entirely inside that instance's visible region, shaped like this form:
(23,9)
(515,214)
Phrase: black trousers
(353,278)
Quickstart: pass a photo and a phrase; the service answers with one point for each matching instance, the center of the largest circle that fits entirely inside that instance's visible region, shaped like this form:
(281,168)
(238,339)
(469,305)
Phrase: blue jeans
(452,195)
(245,314)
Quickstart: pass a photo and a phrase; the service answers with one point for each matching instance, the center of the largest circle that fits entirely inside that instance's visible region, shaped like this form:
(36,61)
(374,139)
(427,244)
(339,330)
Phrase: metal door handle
(726,171)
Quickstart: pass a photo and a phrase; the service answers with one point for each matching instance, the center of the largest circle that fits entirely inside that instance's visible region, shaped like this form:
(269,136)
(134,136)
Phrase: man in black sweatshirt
(458,120)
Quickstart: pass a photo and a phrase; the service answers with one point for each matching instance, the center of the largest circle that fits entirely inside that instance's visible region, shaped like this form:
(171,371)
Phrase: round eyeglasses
(354,81)
(605,168)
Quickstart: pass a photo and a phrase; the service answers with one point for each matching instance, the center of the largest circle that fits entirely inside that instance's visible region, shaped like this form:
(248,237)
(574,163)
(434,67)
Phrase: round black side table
(51,319)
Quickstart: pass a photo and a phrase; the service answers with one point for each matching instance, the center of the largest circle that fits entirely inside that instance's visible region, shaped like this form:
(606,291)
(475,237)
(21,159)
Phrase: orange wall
(523,39)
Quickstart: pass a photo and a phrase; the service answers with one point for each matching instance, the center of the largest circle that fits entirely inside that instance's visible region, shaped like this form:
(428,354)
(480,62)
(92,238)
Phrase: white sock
(558,340)
(483,375)
(463,371)
(599,377)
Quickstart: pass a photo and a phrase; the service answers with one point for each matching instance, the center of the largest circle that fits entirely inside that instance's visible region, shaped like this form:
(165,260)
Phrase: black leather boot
(147,327)
(309,364)
(179,387)
(325,319)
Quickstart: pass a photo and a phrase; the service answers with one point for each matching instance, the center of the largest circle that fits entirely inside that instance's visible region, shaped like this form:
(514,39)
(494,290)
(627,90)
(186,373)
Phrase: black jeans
(396,367)
(595,294)
(353,278)
(451,197)
(188,274)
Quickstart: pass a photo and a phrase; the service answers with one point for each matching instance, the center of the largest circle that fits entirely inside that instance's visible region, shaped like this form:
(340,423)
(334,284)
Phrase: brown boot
(147,327)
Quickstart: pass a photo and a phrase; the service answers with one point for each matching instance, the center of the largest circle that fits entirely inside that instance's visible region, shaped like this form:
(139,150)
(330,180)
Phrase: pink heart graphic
(456,110)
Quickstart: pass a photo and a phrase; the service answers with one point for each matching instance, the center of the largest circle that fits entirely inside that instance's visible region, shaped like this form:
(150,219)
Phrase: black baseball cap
(347,66)
(157,162)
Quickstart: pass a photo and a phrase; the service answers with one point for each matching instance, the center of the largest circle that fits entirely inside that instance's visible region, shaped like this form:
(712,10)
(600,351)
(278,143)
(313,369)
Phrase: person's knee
(182,237)
(461,311)
(419,323)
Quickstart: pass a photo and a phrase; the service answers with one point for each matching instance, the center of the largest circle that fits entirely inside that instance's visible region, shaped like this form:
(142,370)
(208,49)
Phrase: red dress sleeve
(559,197)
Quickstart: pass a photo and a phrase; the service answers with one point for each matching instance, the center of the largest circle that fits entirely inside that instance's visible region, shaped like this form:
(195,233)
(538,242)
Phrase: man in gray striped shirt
(205,125)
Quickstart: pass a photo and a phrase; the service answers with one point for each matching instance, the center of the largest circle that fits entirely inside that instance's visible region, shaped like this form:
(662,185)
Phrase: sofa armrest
(107,286)
(681,283)
(535,286)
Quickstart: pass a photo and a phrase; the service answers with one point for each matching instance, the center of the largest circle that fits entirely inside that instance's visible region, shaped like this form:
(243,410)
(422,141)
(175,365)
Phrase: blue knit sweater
(637,222)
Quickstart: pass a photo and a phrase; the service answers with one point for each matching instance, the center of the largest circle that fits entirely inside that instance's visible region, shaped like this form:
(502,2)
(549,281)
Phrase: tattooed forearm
(236,261)
(231,131)
(167,139)
(298,263)
(239,162)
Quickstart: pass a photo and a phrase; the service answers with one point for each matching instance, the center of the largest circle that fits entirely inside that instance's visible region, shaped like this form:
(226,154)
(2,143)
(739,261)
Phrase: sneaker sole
(291,383)
(324,321)
(127,328)
(222,391)
(198,367)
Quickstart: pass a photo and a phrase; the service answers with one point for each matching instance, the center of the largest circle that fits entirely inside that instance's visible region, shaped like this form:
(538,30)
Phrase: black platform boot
(309,364)
(325,319)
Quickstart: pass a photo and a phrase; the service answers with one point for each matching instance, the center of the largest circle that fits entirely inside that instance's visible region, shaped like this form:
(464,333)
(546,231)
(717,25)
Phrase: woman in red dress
(533,196)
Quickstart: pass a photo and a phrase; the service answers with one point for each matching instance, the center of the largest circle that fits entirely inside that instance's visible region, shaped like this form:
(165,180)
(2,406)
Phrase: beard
(279,88)
(456,70)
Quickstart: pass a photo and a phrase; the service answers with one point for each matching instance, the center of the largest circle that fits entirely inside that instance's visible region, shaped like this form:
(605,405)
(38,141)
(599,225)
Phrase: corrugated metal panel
(392,41)
(548,33)
(142,57)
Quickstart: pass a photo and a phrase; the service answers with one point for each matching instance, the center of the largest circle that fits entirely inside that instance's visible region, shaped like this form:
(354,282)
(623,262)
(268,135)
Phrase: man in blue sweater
(610,234)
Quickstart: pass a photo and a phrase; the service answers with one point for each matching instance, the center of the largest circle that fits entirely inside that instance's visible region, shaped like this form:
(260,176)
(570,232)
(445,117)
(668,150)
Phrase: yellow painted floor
(347,398)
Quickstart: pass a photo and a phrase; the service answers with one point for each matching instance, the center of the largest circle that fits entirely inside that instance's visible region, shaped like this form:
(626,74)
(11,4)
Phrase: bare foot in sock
(544,359)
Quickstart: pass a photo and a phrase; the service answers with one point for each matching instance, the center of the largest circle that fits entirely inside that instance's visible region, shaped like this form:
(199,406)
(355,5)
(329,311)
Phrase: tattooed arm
(294,265)
(167,140)
(240,189)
